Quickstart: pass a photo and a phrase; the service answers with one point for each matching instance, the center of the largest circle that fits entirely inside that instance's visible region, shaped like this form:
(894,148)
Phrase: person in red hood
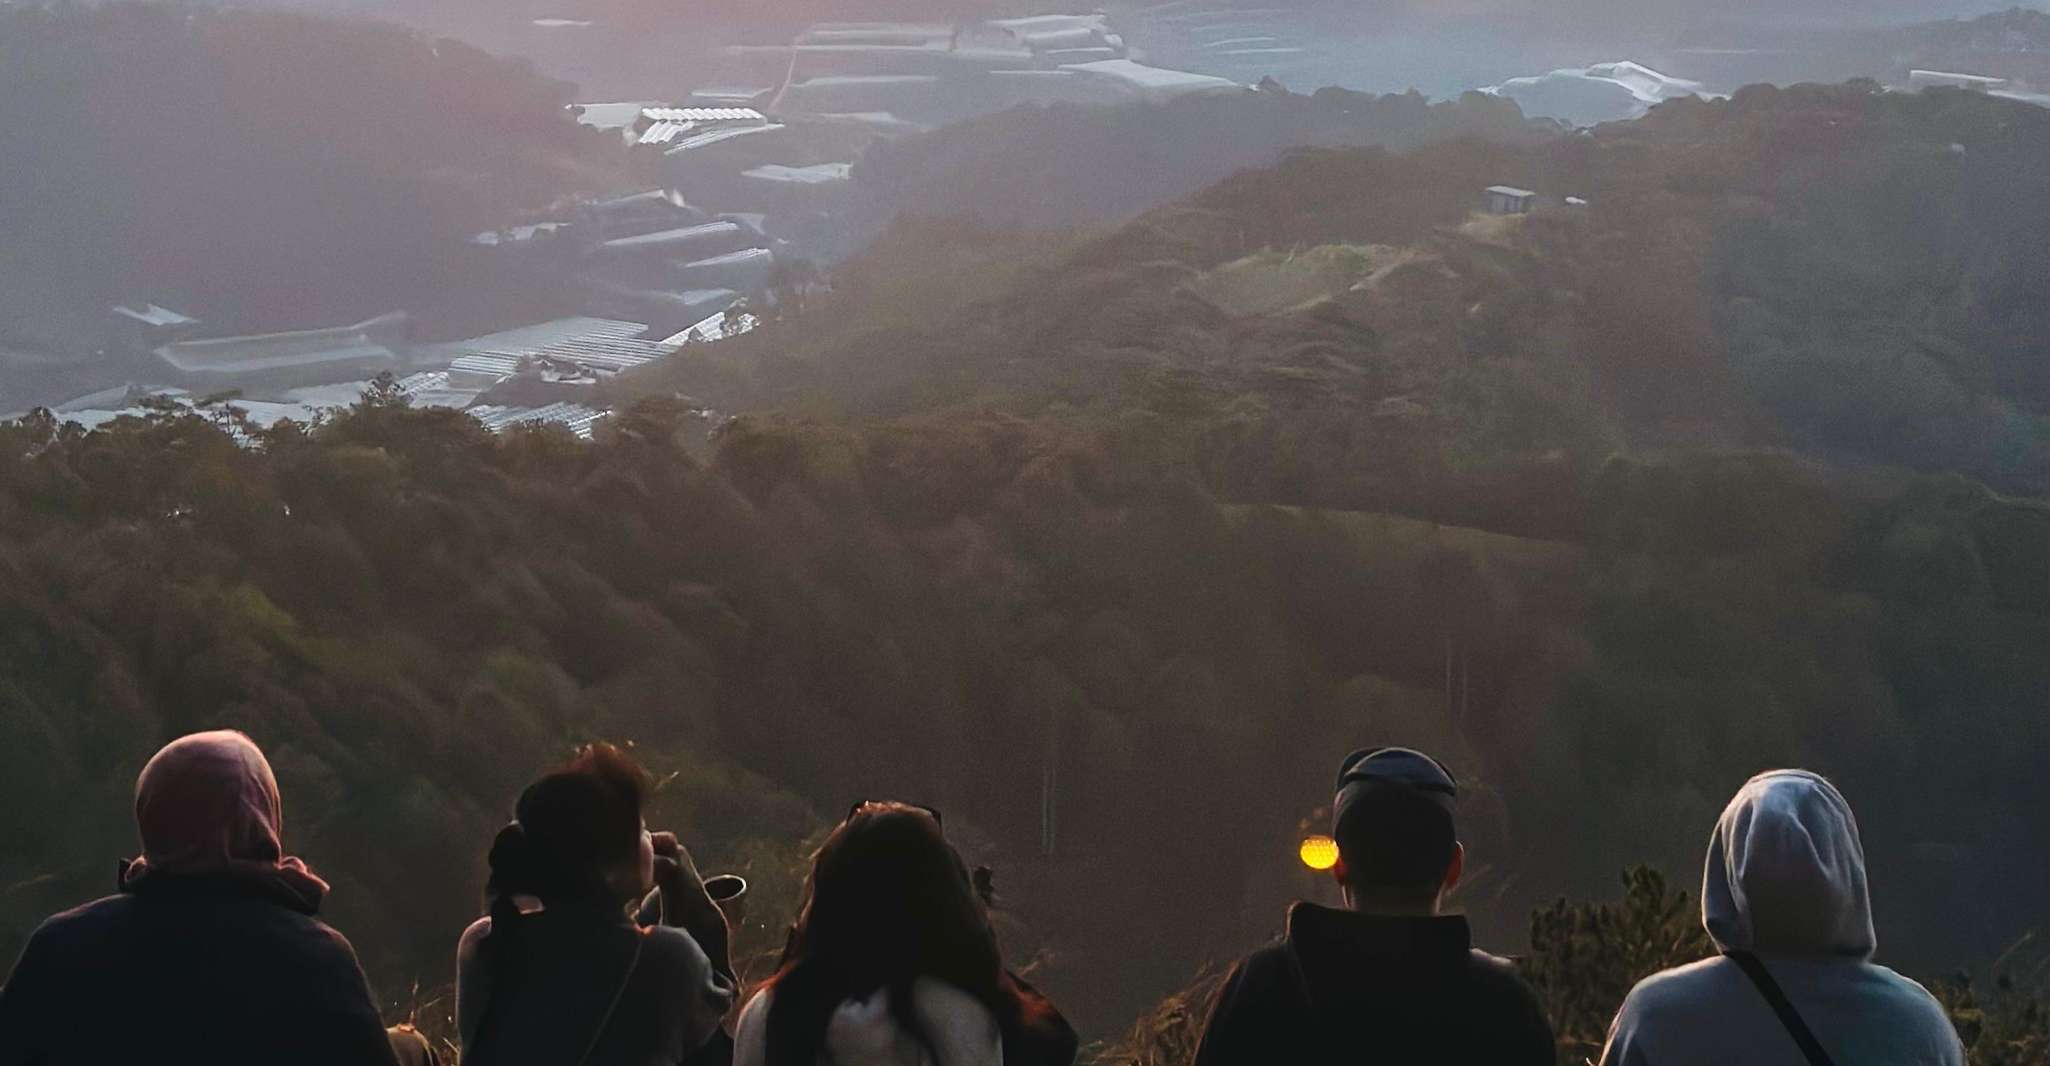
(210,952)
(1391,978)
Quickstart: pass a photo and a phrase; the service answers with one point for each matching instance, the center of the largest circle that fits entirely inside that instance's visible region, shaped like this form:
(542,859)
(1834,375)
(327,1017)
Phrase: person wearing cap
(1390,978)
(1784,898)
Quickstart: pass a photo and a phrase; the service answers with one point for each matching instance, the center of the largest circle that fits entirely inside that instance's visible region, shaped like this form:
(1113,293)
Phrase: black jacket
(186,969)
(1346,988)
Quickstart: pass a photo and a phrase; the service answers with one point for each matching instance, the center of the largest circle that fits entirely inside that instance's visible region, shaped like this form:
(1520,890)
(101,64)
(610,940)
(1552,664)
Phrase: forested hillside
(1842,271)
(1762,378)
(1107,545)
(259,169)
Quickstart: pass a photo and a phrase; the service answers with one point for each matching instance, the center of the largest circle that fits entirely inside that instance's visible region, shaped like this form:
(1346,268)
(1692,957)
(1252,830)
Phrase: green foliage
(1168,1034)
(1584,957)
(2009,1028)
(415,616)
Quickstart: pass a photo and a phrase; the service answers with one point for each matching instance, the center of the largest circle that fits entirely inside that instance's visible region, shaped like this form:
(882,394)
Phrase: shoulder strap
(1811,1048)
(605,1020)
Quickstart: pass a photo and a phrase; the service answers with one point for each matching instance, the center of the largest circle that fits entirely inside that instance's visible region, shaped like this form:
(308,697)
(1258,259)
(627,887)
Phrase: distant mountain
(1597,13)
(2010,44)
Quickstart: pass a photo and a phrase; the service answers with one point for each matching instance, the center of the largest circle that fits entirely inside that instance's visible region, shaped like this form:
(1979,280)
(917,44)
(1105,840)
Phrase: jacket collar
(283,891)
(1338,950)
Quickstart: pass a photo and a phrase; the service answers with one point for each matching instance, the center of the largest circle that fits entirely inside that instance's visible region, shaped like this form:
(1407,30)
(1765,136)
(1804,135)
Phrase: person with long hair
(892,962)
(211,950)
(559,973)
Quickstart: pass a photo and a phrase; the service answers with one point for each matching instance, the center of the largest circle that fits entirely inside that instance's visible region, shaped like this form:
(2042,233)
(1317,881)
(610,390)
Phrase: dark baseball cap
(1369,769)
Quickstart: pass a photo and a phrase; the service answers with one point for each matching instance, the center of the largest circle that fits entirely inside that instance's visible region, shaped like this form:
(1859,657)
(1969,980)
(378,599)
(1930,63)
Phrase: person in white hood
(1783,896)
(892,962)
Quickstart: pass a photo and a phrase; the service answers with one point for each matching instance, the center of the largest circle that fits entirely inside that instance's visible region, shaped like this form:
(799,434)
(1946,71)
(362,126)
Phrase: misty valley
(1083,425)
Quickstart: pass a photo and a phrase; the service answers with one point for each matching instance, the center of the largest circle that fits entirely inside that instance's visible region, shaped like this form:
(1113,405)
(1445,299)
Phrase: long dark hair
(889,901)
(569,828)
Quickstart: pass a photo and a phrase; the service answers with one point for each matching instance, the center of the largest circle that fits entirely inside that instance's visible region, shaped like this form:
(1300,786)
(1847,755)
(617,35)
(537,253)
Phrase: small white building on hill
(1510,200)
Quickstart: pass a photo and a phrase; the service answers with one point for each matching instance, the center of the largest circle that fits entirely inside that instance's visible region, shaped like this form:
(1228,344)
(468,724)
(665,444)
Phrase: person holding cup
(559,973)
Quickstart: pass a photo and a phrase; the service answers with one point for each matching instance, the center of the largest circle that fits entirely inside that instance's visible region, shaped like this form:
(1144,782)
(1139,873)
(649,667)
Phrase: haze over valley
(1091,423)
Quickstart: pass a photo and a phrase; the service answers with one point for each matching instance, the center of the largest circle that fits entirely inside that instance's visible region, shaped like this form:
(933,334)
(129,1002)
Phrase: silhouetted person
(210,952)
(1390,979)
(892,962)
(559,973)
(1783,896)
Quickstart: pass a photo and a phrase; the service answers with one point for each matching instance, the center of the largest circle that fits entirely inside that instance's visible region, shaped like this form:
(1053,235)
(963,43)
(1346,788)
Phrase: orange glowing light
(1319,852)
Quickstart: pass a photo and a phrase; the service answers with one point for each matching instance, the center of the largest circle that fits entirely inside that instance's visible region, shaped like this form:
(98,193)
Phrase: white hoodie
(864,1033)
(1785,880)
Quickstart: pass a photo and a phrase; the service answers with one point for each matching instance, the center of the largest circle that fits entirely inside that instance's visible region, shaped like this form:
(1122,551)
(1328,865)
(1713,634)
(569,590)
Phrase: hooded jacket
(866,1032)
(1342,988)
(210,953)
(1785,881)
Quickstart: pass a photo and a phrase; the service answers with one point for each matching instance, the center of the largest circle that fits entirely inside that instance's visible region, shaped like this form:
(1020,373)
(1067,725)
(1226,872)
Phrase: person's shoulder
(757,1007)
(1498,974)
(1493,969)
(671,946)
(1920,1013)
(1265,964)
(750,1030)
(73,935)
(684,964)
(1503,991)
(473,935)
(1265,973)
(1682,987)
(1263,990)
(1908,993)
(85,917)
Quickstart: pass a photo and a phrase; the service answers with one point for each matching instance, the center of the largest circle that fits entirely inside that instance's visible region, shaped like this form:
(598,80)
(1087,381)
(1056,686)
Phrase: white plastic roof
(577,418)
(153,315)
(817,174)
(1158,81)
(704,114)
